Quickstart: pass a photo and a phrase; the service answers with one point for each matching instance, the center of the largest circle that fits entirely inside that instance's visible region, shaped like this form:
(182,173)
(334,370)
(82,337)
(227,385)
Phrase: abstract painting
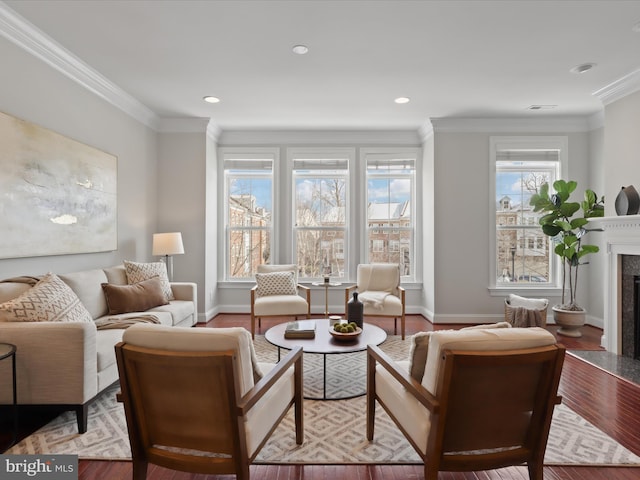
(57,196)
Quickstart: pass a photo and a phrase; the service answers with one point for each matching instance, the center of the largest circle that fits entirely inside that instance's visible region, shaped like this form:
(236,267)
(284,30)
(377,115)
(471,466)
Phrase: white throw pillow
(530,303)
(276,283)
(49,300)
(138,272)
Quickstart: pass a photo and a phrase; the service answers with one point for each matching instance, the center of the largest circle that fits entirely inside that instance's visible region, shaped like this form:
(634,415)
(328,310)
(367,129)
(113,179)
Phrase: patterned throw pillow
(49,300)
(138,272)
(276,283)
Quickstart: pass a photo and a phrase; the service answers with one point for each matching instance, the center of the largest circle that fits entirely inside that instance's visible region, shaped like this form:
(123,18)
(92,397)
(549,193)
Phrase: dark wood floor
(610,403)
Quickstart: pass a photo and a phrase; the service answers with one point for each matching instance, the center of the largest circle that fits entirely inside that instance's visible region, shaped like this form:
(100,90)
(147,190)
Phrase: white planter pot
(570,321)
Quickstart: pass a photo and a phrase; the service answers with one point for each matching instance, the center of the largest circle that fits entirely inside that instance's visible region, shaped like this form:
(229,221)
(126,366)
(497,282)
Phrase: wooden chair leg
(253,327)
(535,471)
(371,397)
(395,325)
(139,469)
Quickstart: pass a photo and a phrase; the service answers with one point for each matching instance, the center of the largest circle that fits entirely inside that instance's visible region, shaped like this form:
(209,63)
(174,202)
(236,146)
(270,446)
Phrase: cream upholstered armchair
(482,399)
(378,286)
(276,295)
(196,400)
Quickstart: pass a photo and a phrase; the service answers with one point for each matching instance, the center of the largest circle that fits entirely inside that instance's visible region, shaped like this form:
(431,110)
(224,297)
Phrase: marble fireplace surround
(622,237)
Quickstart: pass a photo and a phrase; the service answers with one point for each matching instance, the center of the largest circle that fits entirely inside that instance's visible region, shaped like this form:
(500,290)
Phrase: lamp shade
(167,244)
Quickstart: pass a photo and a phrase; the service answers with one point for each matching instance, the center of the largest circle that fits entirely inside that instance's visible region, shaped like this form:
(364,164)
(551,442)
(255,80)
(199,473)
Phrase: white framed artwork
(57,196)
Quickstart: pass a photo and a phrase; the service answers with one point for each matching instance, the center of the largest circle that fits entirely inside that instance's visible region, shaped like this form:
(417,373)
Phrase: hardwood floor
(610,403)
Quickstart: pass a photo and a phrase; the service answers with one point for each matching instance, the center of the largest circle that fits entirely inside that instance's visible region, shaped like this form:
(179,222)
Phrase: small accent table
(324,344)
(8,350)
(326,286)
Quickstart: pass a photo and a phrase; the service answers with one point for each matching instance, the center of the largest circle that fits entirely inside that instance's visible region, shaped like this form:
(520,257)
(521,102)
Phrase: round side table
(8,350)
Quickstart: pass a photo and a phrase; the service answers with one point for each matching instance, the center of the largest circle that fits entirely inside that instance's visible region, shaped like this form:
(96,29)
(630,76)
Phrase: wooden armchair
(194,402)
(485,400)
(276,295)
(378,286)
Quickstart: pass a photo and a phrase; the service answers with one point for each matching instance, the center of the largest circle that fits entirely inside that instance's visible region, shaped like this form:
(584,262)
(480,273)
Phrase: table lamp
(168,244)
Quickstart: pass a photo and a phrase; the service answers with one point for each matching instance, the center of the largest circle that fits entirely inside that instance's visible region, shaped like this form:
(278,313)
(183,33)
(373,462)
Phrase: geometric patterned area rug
(334,430)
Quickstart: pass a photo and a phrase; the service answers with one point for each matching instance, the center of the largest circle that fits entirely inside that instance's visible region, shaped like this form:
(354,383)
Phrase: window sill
(525,291)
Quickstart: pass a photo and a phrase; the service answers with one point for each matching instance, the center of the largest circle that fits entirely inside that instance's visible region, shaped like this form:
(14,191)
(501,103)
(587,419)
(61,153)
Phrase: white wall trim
(620,88)
(28,37)
(511,125)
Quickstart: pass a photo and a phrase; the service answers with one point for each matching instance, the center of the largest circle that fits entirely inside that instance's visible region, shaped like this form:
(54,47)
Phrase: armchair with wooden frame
(378,286)
(276,295)
(485,399)
(195,401)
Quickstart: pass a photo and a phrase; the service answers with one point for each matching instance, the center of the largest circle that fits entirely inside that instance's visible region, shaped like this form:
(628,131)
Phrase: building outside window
(523,254)
(248,185)
(320,215)
(390,216)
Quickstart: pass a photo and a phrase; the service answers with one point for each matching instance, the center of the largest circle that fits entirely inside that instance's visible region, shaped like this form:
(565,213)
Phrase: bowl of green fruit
(345,331)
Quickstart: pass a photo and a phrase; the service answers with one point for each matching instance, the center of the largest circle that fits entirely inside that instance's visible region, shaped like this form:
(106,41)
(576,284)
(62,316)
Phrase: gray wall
(32,91)
(462,219)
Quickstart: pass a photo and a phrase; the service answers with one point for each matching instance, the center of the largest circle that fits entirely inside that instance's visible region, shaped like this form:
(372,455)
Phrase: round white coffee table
(324,344)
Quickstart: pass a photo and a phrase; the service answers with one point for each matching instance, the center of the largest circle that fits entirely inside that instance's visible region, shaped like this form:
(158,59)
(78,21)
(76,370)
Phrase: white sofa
(68,363)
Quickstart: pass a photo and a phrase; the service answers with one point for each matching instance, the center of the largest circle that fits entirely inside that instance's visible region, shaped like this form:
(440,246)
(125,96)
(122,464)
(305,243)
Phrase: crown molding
(320,137)
(183,125)
(511,125)
(425,131)
(620,88)
(26,36)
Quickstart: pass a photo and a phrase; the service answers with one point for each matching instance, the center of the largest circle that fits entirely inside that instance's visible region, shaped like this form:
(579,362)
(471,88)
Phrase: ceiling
(451,58)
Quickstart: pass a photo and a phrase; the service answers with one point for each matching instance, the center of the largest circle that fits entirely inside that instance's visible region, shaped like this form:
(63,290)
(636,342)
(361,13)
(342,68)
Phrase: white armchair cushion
(280,305)
(409,412)
(198,339)
(276,283)
(264,414)
(480,340)
(378,277)
(420,348)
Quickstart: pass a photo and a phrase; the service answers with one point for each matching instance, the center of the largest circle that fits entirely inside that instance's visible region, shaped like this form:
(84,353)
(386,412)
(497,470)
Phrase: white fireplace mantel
(622,237)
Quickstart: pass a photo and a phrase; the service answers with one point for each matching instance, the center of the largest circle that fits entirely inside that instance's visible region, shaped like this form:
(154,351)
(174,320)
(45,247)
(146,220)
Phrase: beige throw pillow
(138,272)
(276,283)
(138,297)
(49,300)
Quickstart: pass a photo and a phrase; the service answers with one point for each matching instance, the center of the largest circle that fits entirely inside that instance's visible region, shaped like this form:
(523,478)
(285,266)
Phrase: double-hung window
(320,214)
(523,253)
(390,215)
(248,190)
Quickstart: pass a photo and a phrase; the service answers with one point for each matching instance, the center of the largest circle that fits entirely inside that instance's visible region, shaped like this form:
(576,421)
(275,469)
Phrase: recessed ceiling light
(300,49)
(402,100)
(584,67)
(210,99)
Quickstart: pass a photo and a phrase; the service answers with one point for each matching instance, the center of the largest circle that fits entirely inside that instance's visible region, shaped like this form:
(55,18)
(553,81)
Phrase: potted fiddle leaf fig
(566,222)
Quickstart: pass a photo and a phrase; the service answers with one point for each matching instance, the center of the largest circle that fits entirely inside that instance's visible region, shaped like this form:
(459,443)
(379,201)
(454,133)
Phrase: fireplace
(622,237)
(630,305)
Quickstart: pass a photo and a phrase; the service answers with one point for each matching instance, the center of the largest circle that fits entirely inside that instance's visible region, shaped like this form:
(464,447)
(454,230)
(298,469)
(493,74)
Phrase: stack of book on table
(301,329)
